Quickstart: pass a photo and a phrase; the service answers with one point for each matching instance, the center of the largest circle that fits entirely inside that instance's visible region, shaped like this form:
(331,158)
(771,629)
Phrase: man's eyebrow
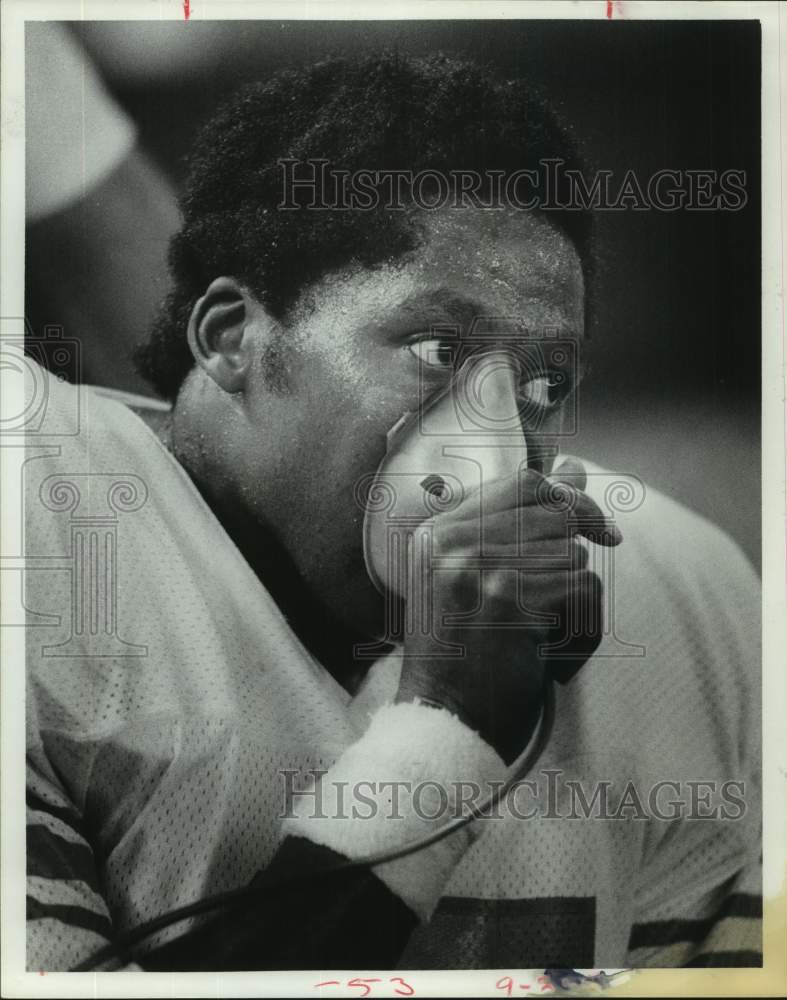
(445,307)
(442,305)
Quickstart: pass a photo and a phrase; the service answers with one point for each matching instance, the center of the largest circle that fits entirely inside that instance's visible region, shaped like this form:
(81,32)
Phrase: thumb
(571,472)
(591,521)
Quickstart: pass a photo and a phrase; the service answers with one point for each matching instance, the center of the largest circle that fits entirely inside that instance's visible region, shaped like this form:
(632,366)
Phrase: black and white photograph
(390,404)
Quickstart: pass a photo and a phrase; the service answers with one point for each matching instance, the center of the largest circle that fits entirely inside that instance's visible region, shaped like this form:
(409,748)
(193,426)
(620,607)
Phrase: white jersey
(167,694)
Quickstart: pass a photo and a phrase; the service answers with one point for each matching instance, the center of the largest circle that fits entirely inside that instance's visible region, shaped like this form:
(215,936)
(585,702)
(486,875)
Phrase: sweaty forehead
(501,263)
(516,263)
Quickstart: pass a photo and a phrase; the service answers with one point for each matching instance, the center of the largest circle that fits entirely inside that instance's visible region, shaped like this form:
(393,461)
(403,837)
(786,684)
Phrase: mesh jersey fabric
(166,694)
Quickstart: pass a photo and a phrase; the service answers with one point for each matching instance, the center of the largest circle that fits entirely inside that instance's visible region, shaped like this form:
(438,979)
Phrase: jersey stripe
(74,916)
(671,956)
(51,857)
(726,960)
(65,892)
(38,817)
(662,932)
(64,813)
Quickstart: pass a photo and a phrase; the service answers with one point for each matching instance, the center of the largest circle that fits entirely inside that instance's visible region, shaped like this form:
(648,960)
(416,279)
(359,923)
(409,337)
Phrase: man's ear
(218,333)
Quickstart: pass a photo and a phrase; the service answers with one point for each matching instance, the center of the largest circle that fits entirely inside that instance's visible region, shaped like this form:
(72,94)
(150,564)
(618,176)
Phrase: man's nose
(487,393)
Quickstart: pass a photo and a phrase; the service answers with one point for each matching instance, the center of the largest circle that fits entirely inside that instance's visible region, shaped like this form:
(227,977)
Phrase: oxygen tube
(468,435)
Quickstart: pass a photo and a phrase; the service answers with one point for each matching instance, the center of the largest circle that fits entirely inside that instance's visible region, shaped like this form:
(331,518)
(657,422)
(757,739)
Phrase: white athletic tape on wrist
(428,753)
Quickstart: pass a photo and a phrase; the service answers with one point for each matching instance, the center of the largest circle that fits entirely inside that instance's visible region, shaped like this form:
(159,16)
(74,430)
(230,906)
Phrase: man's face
(359,351)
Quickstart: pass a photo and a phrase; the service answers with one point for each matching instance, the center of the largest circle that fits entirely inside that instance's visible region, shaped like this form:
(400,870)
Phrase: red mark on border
(410,991)
(187,8)
(508,984)
(610,9)
(363,984)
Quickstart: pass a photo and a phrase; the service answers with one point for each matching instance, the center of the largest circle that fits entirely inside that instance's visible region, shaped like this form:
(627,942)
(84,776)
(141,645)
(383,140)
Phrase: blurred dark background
(674,391)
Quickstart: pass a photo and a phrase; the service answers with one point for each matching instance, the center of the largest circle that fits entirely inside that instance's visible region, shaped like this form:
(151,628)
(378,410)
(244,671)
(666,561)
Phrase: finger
(511,529)
(608,534)
(558,512)
(559,496)
(520,489)
(557,552)
(572,472)
(556,495)
(528,488)
(585,517)
(541,555)
(588,519)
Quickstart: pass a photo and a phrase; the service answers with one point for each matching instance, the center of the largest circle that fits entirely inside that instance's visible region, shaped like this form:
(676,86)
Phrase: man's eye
(433,352)
(546,391)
